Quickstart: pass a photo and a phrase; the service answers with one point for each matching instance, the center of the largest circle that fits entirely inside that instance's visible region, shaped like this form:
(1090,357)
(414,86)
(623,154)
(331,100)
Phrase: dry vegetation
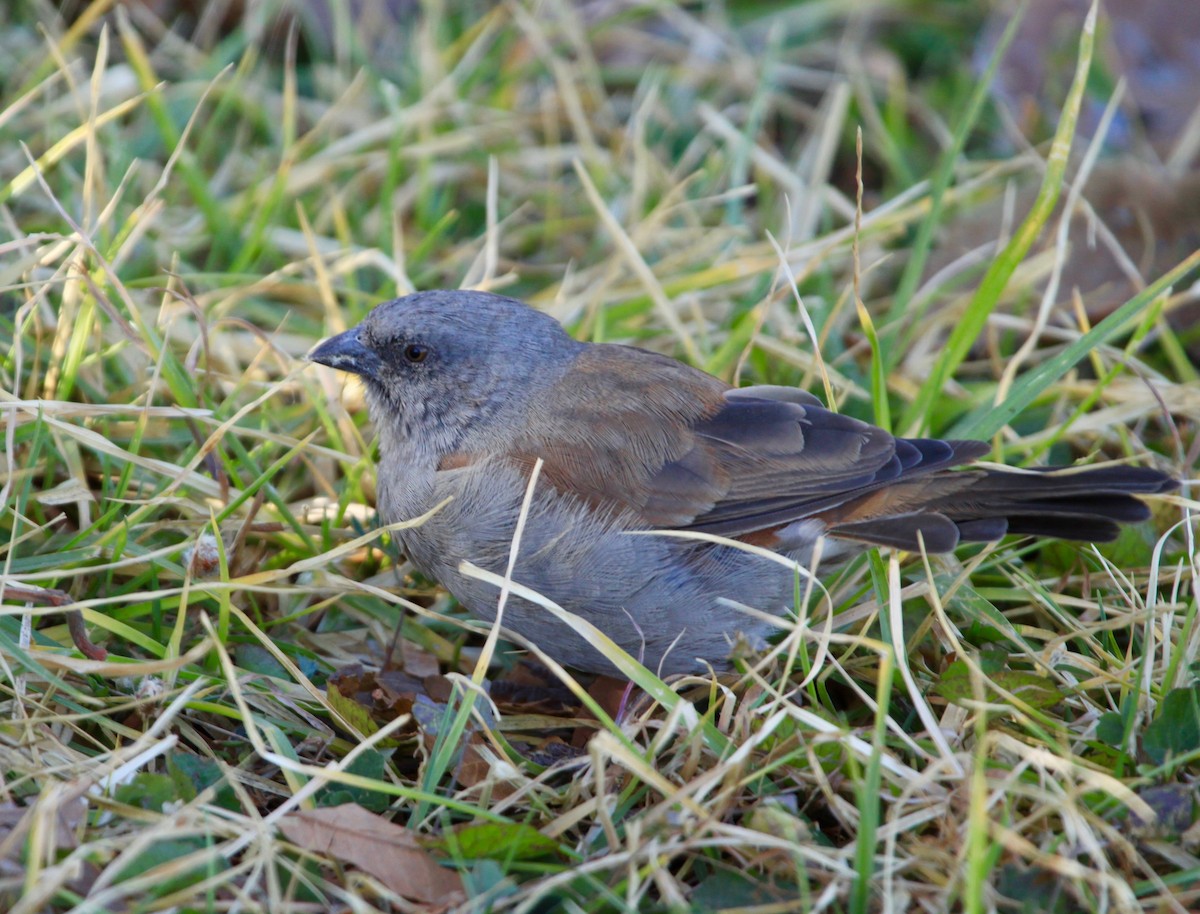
(188,204)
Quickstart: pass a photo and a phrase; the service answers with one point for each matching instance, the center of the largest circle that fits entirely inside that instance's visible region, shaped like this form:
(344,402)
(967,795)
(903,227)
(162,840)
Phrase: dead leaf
(418,662)
(66,810)
(369,700)
(383,849)
(473,759)
(614,697)
(475,766)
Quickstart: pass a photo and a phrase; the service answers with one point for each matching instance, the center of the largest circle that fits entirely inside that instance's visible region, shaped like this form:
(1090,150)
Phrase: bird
(664,496)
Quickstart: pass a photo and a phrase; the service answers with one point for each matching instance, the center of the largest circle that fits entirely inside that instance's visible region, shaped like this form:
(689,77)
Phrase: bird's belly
(671,602)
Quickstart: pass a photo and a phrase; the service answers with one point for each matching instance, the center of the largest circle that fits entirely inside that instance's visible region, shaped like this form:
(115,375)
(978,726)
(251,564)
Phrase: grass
(188,210)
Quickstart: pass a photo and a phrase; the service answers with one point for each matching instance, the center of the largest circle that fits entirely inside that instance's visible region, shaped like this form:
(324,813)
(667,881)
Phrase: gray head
(437,363)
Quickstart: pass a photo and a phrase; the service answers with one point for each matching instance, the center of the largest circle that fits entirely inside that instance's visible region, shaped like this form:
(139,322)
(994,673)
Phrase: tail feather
(983,505)
(1089,530)
(1124,509)
(935,532)
(1117,480)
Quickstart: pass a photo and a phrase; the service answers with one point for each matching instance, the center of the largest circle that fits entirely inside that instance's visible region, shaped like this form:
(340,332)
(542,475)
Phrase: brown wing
(639,434)
(608,431)
(679,449)
(798,461)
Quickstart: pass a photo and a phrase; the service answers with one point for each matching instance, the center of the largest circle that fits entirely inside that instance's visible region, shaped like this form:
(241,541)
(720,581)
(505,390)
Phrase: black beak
(346,352)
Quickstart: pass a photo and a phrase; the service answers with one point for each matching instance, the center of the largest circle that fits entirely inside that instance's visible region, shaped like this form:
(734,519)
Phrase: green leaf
(503,841)
(1034,690)
(1033,889)
(254,658)
(370,764)
(726,889)
(1110,729)
(1176,730)
(163,854)
(351,711)
(192,775)
(149,791)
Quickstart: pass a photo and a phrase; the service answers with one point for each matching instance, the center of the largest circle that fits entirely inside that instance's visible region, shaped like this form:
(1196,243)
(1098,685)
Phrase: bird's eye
(415,352)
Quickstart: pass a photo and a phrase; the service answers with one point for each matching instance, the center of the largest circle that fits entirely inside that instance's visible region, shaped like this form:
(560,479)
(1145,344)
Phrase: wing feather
(677,448)
(664,446)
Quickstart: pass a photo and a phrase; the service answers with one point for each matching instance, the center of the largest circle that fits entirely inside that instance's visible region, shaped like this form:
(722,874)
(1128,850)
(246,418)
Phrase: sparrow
(638,453)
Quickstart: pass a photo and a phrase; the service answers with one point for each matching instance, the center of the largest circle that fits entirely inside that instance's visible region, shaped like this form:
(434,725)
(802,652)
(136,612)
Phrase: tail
(943,509)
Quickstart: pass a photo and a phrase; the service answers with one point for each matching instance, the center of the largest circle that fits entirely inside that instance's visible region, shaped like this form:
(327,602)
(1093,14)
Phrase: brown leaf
(397,688)
(613,695)
(419,663)
(383,696)
(385,850)
(474,767)
(15,821)
(471,765)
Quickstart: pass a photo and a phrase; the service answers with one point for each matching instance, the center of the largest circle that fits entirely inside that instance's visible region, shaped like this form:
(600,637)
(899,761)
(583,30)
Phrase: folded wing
(688,453)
